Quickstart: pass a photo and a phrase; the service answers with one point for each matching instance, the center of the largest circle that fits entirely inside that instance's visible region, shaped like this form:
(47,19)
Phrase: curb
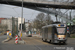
(21,42)
(71,38)
(6,40)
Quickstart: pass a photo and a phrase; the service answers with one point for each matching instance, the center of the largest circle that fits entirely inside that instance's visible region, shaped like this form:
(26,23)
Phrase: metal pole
(62,20)
(56,17)
(48,17)
(22,16)
(70,24)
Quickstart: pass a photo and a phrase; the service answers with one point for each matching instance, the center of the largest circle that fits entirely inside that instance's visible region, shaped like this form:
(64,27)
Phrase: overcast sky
(8,11)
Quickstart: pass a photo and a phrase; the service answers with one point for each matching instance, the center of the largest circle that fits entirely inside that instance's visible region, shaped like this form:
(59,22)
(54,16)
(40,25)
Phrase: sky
(8,11)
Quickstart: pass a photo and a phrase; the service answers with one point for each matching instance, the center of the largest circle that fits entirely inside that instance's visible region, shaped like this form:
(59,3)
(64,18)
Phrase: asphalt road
(35,43)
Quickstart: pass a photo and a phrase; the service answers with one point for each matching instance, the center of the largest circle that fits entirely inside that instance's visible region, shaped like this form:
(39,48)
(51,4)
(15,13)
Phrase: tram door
(46,33)
(53,33)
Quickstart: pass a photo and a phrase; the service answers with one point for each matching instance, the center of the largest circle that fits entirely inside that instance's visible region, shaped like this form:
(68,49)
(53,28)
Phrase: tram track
(38,47)
(34,43)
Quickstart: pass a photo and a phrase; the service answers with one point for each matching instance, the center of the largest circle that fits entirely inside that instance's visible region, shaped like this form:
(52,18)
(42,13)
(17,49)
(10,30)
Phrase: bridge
(39,5)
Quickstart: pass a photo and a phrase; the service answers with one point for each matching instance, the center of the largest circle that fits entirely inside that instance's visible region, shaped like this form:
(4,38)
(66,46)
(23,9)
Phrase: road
(35,43)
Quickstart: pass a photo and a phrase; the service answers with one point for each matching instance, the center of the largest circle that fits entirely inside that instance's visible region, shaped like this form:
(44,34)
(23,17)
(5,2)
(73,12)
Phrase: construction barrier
(16,39)
(10,34)
(20,36)
(7,34)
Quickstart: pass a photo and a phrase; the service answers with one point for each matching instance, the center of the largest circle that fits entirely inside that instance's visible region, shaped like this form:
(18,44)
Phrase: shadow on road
(60,43)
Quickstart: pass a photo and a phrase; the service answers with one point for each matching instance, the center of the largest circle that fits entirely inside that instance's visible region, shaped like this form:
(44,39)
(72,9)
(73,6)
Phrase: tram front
(61,33)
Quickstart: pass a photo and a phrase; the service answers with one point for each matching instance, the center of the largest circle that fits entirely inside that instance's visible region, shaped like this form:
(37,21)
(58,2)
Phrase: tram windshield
(61,30)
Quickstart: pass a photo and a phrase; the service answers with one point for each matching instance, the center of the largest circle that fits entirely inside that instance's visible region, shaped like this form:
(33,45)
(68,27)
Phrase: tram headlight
(59,38)
(63,38)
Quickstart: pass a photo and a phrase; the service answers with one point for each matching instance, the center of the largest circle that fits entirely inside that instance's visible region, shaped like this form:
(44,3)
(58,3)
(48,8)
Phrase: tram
(55,33)
(29,33)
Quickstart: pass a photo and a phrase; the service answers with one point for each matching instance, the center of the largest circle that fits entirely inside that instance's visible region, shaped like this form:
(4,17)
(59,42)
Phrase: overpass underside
(44,4)
(35,5)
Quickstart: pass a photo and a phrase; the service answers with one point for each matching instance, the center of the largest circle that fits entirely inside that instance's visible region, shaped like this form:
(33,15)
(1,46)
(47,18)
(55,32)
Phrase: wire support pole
(22,16)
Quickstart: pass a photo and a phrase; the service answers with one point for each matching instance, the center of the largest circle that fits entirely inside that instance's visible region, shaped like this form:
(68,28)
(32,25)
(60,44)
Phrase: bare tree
(42,20)
(48,19)
(39,21)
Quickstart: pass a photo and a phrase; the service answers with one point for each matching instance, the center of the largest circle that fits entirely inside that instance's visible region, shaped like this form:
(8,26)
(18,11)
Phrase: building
(1,19)
(7,22)
(11,22)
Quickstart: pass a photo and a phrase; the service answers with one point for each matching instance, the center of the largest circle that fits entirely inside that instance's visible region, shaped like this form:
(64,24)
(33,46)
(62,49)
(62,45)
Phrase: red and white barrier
(16,39)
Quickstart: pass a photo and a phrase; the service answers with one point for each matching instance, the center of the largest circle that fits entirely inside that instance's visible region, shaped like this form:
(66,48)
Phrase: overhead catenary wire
(9,4)
(34,4)
(13,9)
(6,14)
(32,15)
(17,12)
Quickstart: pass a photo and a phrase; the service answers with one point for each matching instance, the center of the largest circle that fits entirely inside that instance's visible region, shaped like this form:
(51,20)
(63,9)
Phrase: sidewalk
(12,41)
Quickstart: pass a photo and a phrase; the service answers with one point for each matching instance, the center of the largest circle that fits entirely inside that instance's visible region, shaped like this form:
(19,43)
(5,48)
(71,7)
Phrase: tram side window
(46,30)
(50,30)
(55,30)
